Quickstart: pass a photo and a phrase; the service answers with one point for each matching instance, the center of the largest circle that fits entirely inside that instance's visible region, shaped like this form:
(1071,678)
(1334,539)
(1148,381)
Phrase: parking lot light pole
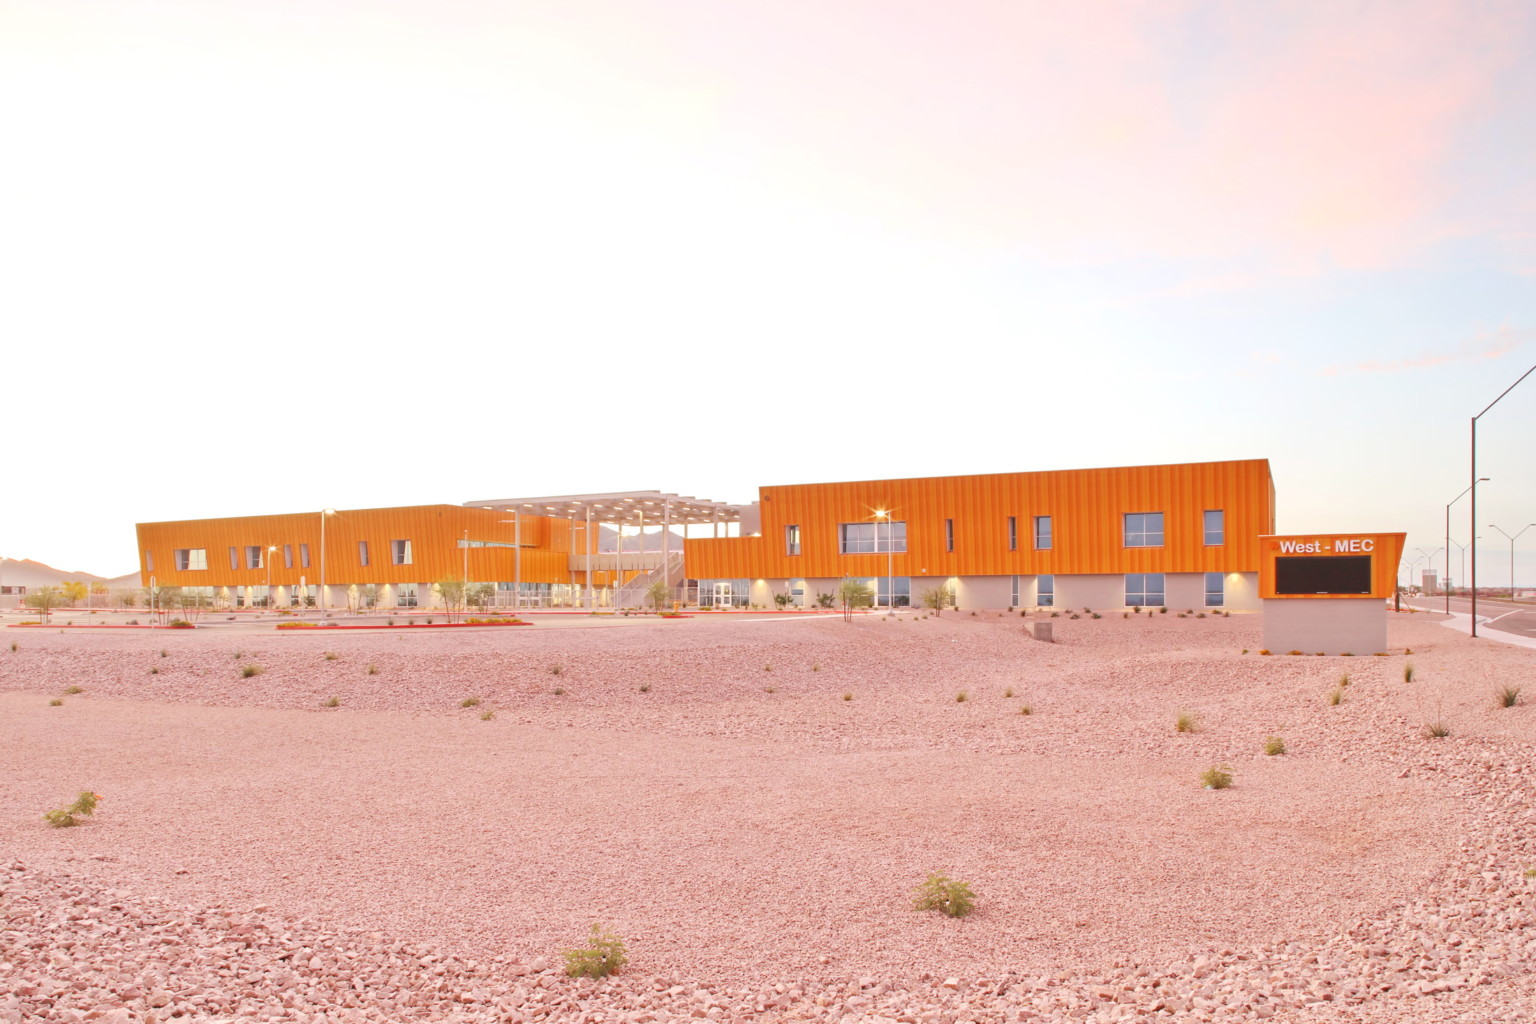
(1463,494)
(1473,520)
(1512,554)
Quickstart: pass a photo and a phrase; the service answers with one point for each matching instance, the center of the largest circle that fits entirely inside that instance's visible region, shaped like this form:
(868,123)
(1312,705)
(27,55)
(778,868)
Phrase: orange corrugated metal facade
(435,533)
(1087,509)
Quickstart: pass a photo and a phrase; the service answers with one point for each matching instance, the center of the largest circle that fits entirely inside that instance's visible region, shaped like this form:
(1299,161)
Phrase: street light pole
(1473,521)
(1479,480)
(1512,555)
(323,513)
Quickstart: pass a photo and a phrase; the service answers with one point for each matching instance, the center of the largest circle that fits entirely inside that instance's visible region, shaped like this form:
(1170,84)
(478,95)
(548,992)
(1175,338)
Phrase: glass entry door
(722,593)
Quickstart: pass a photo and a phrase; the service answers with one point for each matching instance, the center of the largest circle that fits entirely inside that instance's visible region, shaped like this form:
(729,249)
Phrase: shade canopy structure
(652,507)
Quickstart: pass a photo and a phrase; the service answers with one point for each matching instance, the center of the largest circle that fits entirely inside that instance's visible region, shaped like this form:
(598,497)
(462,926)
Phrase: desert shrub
(962,697)
(1008,692)
(557,669)
(1264,650)
(1076,616)
(164,653)
(1162,611)
(1408,672)
(13,645)
(847,696)
(815,666)
(73,689)
(768,667)
(332,702)
(1343,680)
(645,687)
(558,691)
(68,817)
(56,702)
(1186,721)
(252,669)
(1245,650)
(470,702)
(1097,615)
(373,669)
(1274,745)
(770,689)
(180,624)
(944,894)
(1026,710)
(1507,696)
(1436,730)
(1294,653)
(154,670)
(487,715)
(602,955)
(1336,696)
(1200,615)
(331,656)
(1216,777)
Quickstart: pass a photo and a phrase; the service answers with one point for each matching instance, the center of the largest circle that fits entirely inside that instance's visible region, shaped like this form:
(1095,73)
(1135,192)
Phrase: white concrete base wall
(1101,592)
(1330,626)
(1090,590)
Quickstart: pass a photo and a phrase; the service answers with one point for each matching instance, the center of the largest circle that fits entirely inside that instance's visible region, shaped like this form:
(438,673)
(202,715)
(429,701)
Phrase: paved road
(1518,617)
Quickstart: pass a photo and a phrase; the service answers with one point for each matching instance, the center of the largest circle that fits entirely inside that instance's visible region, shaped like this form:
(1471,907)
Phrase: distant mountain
(24,572)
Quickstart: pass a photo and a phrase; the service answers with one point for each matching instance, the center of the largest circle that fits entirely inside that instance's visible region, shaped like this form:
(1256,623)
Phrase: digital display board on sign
(1323,574)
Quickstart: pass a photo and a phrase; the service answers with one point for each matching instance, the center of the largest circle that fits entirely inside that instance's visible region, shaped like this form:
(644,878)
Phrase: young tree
(481,595)
(854,594)
(938,598)
(453,592)
(44,599)
(659,594)
(99,589)
(75,591)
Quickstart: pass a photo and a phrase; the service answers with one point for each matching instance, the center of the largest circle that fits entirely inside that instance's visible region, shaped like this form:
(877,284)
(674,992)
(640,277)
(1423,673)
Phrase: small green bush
(73,689)
(602,955)
(1508,696)
(68,817)
(945,895)
(1186,721)
(487,715)
(252,669)
(1274,745)
(1336,696)
(332,702)
(470,702)
(1408,672)
(1436,730)
(1216,777)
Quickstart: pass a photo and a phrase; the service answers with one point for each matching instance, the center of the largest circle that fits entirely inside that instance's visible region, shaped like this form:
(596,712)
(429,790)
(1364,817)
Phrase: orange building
(539,552)
(1178,535)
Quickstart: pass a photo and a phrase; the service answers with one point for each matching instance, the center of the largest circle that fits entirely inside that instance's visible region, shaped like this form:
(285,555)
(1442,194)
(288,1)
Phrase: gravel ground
(704,789)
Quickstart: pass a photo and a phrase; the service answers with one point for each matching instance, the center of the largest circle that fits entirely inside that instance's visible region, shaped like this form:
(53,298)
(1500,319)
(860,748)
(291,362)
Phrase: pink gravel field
(264,853)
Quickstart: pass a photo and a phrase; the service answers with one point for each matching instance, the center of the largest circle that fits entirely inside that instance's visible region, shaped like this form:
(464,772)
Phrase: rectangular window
(1144,590)
(234,557)
(871,538)
(1215,526)
(791,540)
(405,595)
(287,556)
(1013,533)
(399,552)
(1215,589)
(1013,595)
(1045,591)
(949,535)
(191,559)
(362,552)
(1143,529)
(1042,533)
(304,556)
(149,563)
(882,587)
(253,556)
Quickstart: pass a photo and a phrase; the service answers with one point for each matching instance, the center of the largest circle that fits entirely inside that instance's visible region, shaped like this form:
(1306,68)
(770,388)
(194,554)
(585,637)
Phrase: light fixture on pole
(1512,555)
(271,550)
(890,571)
(323,513)
(1473,519)
(1479,480)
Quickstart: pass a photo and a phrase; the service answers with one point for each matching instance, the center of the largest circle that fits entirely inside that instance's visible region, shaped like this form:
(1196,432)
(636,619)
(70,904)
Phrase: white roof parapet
(620,507)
